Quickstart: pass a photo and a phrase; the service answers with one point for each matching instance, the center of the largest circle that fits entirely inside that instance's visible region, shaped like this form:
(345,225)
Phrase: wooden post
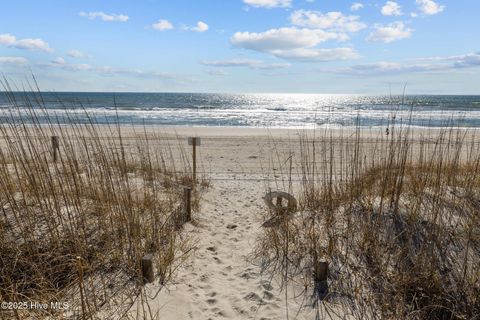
(80,281)
(147,268)
(194,142)
(187,198)
(290,186)
(55,147)
(320,272)
(194,155)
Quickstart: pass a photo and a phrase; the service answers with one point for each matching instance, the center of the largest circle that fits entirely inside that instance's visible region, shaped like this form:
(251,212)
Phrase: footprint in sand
(239,310)
(248,274)
(267,295)
(252,296)
(266,285)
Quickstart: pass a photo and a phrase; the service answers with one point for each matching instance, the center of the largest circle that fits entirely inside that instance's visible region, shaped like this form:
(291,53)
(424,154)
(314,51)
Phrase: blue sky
(278,46)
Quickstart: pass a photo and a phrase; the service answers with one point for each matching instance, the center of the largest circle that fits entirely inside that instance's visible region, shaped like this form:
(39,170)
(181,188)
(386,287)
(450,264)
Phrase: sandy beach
(221,275)
(223,278)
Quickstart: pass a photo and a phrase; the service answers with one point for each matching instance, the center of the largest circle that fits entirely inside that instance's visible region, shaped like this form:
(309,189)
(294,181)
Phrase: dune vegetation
(396,219)
(74,230)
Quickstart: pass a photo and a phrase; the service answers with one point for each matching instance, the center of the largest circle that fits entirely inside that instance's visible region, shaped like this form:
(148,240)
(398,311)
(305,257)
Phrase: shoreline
(250,131)
(248,134)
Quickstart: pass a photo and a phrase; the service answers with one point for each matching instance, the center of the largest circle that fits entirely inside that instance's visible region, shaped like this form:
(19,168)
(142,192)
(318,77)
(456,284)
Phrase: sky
(243,46)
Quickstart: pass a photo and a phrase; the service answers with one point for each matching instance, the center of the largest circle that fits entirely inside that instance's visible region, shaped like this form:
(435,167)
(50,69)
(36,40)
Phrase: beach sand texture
(222,278)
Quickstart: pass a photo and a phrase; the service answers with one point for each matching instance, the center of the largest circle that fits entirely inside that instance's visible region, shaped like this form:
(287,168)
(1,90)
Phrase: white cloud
(413,14)
(430,7)
(105,17)
(268,3)
(231,63)
(391,8)
(330,20)
(76,54)
(18,61)
(79,67)
(356,6)
(459,61)
(201,27)
(425,65)
(25,44)
(317,55)
(273,66)
(383,67)
(294,44)
(250,63)
(106,70)
(162,25)
(281,39)
(469,60)
(58,61)
(7,39)
(217,72)
(393,31)
(112,71)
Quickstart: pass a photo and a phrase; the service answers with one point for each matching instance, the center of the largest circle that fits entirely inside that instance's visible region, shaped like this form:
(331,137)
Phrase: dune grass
(396,218)
(67,227)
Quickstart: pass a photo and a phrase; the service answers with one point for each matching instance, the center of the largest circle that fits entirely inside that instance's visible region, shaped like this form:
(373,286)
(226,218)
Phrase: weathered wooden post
(55,147)
(320,270)
(187,198)
(194,142)
(80,282)
(320,276)
(147,268)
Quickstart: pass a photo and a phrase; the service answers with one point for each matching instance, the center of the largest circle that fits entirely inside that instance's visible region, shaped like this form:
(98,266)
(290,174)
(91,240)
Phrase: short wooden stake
(55,147)
(187,198)
(320,271)
(194,142)
(147,268)
(80,282)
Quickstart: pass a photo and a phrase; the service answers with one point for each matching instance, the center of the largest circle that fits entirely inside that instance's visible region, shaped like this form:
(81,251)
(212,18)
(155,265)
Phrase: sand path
(219,280)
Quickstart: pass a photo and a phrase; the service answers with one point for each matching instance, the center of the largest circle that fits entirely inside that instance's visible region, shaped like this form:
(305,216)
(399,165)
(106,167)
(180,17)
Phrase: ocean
(250,110)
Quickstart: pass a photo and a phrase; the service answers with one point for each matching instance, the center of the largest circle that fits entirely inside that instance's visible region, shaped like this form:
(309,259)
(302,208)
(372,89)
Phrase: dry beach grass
(396,217)
(76,229)
(397,221)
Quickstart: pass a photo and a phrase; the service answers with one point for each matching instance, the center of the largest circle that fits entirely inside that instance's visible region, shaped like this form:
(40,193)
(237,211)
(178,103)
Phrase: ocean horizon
(248,110)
